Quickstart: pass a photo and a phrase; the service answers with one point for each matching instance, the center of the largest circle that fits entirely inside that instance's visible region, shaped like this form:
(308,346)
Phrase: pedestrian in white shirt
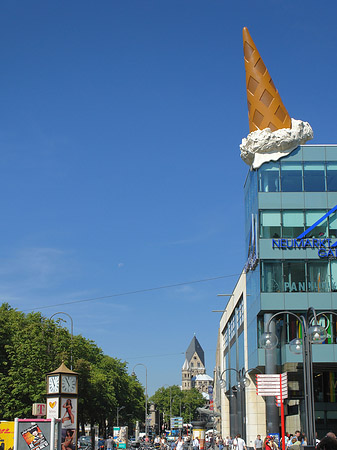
(196,444)
(179,444)
(239,443)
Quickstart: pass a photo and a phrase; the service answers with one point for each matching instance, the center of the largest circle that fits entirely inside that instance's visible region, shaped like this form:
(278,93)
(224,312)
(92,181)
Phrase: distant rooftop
(203,377)
(195,347)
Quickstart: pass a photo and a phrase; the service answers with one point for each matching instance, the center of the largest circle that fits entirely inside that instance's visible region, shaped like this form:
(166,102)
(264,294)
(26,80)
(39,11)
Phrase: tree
(32,345)
(171,399)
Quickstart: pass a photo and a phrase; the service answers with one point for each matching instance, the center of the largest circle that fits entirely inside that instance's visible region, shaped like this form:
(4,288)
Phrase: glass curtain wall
(318,176)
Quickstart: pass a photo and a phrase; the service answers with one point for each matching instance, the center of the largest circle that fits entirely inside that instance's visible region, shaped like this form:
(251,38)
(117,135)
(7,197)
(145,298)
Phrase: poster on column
(6,435)
(53,408)
(69,423)
(34,437)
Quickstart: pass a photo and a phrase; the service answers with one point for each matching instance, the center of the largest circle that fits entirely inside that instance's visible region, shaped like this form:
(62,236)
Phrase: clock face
(53,384)
(69,384)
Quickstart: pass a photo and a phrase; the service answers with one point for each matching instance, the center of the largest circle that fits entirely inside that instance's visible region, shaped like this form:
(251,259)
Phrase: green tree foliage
(172,399)
(32,345)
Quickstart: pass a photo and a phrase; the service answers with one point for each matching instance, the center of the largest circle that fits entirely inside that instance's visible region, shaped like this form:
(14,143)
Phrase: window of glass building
(291,177)
(225,337)
(240,313)
(269,178)
(331,176)
(294,328)
(232,327)
(333,268)
(333,225)
(293,223)
(270,224)
(320,230)
(294,276)
(318,276)
(314,176)
(271,276)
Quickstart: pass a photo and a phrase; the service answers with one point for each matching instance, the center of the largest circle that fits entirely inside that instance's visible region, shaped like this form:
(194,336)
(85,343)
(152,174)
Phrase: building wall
(233,354)
(283,199)
(286,198)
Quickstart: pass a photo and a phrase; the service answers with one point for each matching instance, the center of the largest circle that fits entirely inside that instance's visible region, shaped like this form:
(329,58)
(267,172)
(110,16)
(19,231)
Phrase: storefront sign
(325,247)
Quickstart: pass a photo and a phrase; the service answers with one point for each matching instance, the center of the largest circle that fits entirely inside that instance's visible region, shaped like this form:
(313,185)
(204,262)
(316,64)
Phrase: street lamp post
(133,373)
(119,408)
(72,335)
(176,396)
(243,382)
(170,404)
(311,334)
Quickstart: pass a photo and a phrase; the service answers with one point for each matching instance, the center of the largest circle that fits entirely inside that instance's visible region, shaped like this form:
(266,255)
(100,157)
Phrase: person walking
(179,444)
(258,443)
(239,443)
(196,443)
(109,443)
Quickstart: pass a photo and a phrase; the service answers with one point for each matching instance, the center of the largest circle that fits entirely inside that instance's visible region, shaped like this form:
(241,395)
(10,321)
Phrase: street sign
(274,385)
(269,385)
(176,422)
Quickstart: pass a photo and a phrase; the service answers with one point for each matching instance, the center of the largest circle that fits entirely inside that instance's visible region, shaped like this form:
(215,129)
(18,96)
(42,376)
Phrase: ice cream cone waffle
(265,107)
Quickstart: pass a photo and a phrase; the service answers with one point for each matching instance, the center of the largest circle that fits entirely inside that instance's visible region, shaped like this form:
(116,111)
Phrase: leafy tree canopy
(172,400)
(32,345)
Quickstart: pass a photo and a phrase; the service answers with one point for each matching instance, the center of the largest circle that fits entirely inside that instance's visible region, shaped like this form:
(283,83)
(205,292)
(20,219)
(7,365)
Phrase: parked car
(84,442)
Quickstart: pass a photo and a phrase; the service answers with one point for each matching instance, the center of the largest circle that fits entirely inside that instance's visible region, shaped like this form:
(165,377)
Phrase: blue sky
(120,167)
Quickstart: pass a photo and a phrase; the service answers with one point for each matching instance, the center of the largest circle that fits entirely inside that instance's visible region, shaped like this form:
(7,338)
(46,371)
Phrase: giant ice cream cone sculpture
(265,107)
(273,134)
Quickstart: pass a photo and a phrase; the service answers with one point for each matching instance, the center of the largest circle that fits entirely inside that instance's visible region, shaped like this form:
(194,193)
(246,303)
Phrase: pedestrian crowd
(292,442)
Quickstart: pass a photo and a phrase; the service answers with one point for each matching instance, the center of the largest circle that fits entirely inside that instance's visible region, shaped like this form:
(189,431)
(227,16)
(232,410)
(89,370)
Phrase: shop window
(331,419)
(272,276)
(331,176)
(320,230)
(294,328)
(270,224)
(314,177)
(293,223)
(294,276)
(291,177)
(269,178)
(318,276)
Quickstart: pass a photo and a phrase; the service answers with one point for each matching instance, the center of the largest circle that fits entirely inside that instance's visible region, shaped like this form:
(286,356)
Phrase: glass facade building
(290,231)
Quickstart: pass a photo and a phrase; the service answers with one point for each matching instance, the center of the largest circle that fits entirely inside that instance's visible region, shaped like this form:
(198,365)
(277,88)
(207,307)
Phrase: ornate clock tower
(62,395)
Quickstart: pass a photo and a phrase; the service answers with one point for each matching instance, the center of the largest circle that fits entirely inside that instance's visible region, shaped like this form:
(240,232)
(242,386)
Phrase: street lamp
(312,334)
(177,396)
(119,408)
(170,403)
(72,335)
(243,382)
(133,373)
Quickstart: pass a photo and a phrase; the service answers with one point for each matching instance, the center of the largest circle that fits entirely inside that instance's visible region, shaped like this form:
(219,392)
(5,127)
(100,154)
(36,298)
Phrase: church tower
(186,377)
(194,370)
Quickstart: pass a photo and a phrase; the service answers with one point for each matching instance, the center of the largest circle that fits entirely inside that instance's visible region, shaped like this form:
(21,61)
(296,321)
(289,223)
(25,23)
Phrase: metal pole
(141,364)
(72,335)
(170,413)
(309,402)
(272,413)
